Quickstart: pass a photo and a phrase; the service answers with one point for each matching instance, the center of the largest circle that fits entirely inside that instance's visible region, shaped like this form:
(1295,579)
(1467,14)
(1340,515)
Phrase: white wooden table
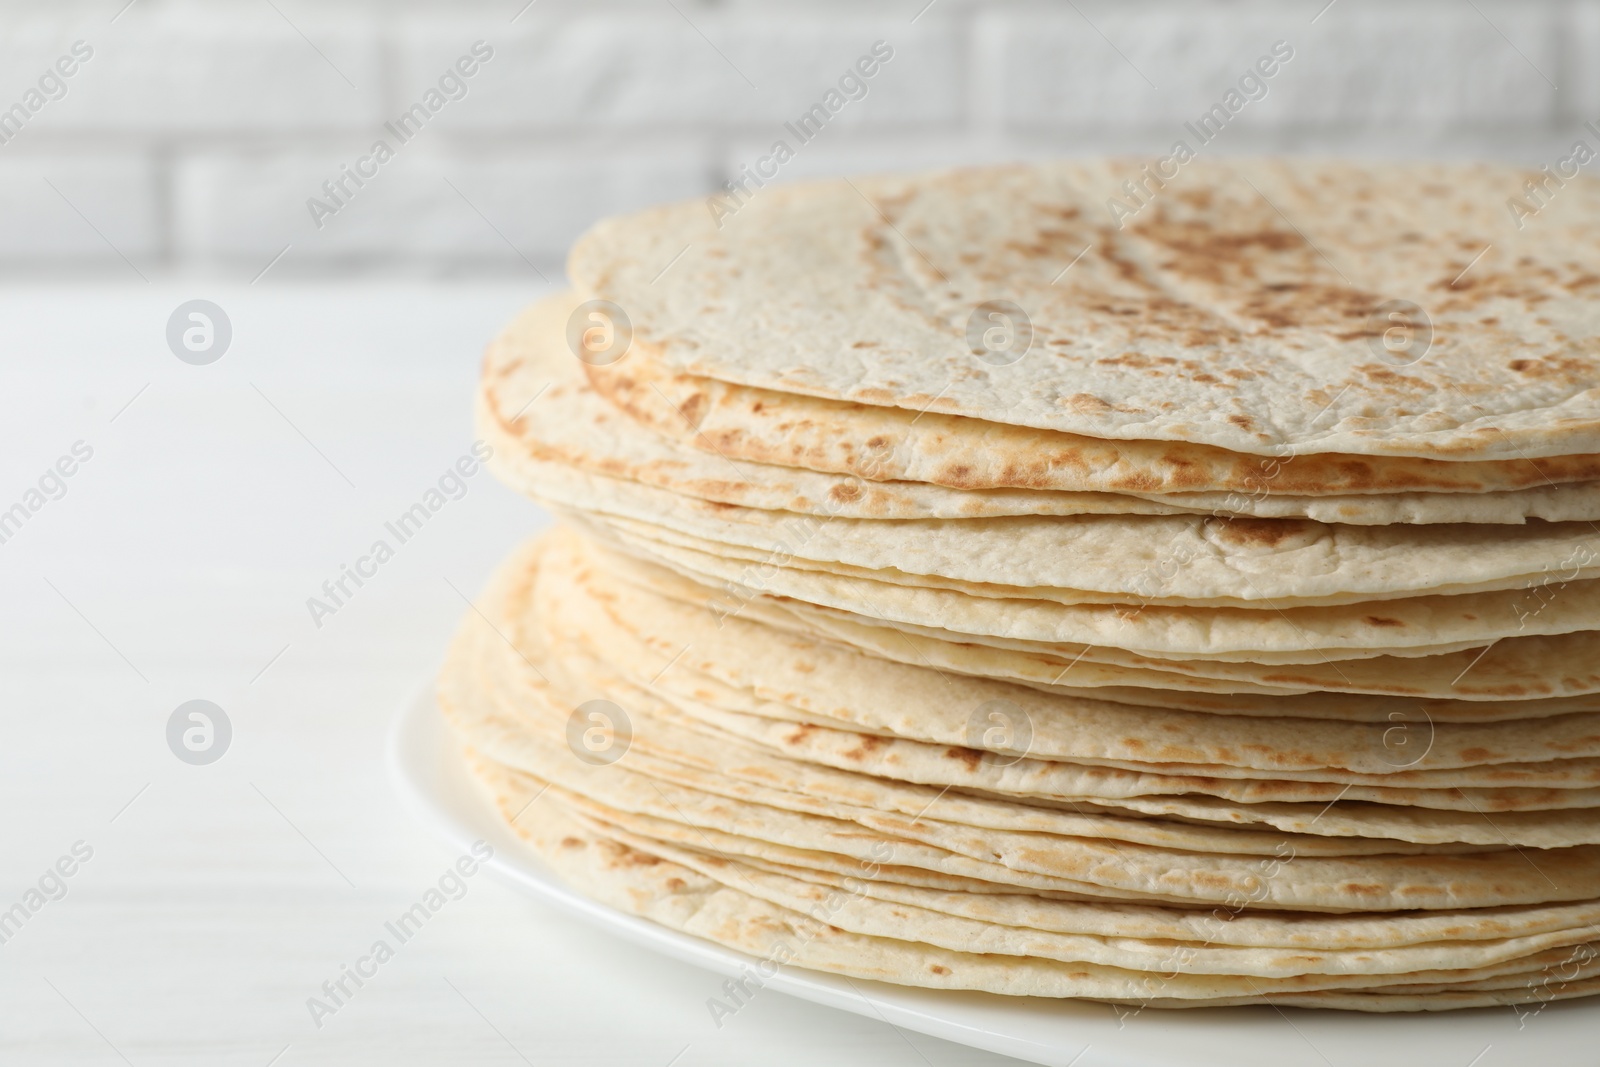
(176,566)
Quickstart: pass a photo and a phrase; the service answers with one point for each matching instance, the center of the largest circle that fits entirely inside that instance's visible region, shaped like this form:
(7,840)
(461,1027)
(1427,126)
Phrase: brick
(115,193)
(1360,62)
(205,68)
(532,205)
(656,70)
(843,153)
(594,107)
(1581,69)
(544,202)
(1366,65)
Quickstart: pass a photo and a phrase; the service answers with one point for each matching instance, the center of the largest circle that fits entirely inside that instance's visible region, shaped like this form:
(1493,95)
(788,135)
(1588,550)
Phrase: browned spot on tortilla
(1561,369)
(635,858)
(691,408)
(801,733)
(1086,403)
(969,756)
(1211,880)
(867,744)
(1137,360)
(1263,533)
(1379,620)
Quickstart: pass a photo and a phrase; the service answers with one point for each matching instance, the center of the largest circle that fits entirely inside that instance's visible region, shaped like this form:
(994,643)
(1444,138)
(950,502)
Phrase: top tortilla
(1235,309)
(537,408)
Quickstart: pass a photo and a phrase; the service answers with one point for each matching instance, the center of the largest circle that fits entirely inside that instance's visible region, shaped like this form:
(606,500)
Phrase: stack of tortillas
(958,590)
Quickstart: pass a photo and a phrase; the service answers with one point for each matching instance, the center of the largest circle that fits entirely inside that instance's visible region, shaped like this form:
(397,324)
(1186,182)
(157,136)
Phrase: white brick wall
(192,139)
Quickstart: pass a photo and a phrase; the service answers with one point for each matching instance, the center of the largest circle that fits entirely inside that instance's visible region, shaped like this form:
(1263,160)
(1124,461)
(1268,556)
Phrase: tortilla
(544,422)
(1209,318)
(960,586)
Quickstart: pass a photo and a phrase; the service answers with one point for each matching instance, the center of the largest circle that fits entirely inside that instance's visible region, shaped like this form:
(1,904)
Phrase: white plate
(434,782)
